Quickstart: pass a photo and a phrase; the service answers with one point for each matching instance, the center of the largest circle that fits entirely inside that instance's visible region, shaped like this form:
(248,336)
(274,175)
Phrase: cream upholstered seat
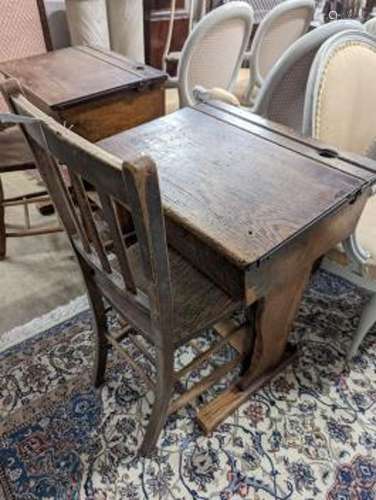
(213,52)
(284,24)
(340,109)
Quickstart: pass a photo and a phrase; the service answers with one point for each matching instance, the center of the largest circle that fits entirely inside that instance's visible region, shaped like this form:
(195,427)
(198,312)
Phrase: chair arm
(202,94)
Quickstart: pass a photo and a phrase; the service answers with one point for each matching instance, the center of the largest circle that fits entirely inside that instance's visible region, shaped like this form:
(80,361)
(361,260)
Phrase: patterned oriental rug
(309,434)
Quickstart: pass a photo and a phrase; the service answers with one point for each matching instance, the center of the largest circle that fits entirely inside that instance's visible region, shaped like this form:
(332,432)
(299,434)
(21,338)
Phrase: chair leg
(162,396)
(3,237)
(367,320)
(99,324)
(100,331)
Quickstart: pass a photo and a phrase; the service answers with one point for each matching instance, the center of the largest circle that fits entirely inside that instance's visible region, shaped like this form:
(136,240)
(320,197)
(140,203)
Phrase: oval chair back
(280,28)
(214,51)
(340,104)
(281,98)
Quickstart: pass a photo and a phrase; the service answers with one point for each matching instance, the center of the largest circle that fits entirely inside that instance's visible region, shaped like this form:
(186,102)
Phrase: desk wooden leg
(276,288)
(274,317)
(271,354)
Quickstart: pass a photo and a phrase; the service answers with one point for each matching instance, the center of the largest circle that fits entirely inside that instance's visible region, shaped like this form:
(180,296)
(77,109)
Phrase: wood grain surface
(241,193)
(74,75)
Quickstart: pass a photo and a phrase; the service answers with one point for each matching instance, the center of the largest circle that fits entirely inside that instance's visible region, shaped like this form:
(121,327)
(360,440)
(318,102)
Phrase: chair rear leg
(162,396)
(367,320)
(3,237)
(100,330)
(99,323)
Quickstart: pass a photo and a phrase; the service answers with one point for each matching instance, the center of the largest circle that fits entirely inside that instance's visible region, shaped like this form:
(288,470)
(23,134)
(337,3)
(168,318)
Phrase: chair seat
(198,302)
(15,153)
(366,236)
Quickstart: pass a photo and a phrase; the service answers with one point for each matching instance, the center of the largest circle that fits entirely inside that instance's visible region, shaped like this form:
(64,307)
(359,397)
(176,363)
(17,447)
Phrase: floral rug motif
(309,434)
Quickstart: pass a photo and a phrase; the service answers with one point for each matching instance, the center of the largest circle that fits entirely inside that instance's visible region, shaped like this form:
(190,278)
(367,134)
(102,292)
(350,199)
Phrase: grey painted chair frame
(254,56)
(215,18)
(370,26)
(197,10)
(305,47)
(356,254)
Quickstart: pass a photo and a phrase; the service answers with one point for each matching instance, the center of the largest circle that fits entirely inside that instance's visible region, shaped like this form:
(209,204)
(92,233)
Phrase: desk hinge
(354,196)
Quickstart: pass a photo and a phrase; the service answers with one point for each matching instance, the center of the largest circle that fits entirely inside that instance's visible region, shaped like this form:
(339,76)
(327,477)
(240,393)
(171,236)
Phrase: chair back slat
(81,225)
(51,176)
(144,197)
(112,218)
(144,266)
(88,223)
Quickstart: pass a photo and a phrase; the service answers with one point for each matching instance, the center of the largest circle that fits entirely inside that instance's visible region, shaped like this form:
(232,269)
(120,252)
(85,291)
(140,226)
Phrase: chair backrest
(23,31)
(370,26)
(213,52)
(284,24)
(340,102)
(197,10)
(281,97)
(263,7)
(117,183)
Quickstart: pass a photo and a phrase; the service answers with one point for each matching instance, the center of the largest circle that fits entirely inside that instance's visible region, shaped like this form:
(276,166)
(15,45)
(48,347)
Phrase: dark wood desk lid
(241,187)
(74,75)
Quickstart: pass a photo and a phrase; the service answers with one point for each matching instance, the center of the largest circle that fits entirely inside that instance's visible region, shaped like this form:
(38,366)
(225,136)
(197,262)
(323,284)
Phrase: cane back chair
(23,32)
(213,52)
(281,98)
(197,10)
(152,287)
(340,109)
(284,24)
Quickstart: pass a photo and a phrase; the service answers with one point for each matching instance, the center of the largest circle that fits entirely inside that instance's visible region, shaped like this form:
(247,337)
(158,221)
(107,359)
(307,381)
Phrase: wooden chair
(23,32)
(150,285)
